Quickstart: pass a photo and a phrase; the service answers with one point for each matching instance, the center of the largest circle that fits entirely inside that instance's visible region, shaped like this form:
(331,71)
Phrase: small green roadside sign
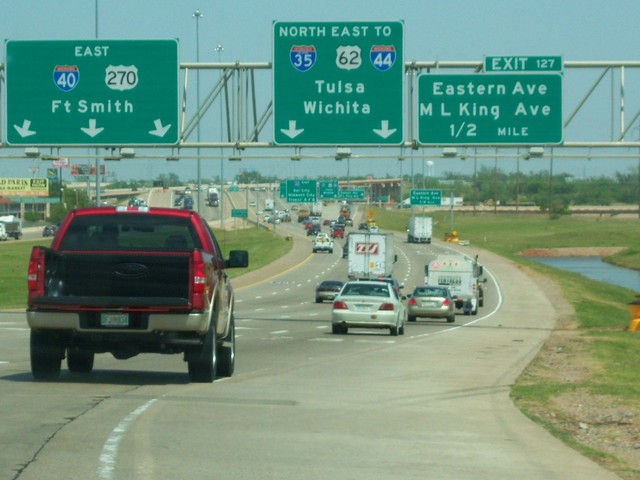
(490,108)
(426,197)
(92,92)
(338,83)
(239,213)
(353,194)
(301,191)
(329,189)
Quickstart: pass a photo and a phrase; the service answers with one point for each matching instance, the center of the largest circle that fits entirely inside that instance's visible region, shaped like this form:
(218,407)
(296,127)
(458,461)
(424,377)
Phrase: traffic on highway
(307,399)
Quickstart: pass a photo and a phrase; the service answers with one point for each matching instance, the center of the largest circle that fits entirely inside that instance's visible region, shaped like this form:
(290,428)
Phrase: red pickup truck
(131,280)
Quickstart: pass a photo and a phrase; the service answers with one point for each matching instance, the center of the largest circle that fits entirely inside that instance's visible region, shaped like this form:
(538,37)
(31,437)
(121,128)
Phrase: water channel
(596,269)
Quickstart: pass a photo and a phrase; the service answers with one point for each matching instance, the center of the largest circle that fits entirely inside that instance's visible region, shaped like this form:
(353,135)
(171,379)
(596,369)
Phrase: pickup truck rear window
(130,232)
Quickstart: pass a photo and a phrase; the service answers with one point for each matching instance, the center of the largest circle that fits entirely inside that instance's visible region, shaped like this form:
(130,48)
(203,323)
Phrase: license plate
(361,307)
(429,304)
(114,319)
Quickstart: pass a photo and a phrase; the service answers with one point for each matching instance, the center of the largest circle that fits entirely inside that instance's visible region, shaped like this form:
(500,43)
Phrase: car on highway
(327,290)
(187,203)
(49,230)
(368,304)
(431,302)
(313,230)
(337,231)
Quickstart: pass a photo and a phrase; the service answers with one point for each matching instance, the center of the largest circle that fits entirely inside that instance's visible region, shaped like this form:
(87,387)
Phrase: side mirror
(237,259)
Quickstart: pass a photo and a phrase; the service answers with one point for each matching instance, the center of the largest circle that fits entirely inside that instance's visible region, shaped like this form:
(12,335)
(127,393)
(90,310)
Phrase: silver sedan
(367,304)
(433,302)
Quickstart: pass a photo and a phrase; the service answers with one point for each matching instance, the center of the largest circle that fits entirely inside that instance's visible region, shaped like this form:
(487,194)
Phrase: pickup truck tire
(46,356)
(203,360)
(80,360)
(227,352)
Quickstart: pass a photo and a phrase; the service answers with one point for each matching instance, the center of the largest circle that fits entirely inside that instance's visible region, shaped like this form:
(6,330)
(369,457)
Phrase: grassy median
(263,246)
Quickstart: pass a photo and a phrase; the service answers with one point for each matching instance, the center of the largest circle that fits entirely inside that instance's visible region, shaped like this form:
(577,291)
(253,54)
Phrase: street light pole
(220,49)
(198,15)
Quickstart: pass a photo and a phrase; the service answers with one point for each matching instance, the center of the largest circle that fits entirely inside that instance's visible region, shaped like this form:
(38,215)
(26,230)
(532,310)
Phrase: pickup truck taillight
(35,277)
(198,288)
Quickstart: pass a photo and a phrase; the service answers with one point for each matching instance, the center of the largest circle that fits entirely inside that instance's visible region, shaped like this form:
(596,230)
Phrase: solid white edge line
(109,455)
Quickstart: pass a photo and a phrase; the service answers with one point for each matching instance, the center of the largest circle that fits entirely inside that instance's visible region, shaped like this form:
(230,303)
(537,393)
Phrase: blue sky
(460,30)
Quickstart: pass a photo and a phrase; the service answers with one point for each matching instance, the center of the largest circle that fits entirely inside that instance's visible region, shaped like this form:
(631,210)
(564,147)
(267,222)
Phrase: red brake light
(412,301)
(199,273)
(198,287)
(340,305)
(446,302)
(35,276)
(387,306)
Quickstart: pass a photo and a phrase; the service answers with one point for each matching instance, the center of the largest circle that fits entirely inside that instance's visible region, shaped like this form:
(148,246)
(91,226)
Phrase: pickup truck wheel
(80,360)
(202,363)
(227,352)
(46,356)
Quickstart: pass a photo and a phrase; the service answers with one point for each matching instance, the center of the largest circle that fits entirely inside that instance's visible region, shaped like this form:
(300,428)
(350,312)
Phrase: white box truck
(462,275)
(12,226)
(370,255)
(269,205)
(316,209)
(420,230)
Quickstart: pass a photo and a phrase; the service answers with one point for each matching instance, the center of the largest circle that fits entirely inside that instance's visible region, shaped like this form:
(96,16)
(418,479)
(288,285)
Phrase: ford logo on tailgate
(131,270)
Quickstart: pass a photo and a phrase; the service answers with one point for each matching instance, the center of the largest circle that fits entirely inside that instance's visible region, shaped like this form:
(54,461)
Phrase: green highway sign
(338,83)
(488,108)
(92,92)
(353,194)
(234,188)
(426,197)
(239,213)
(511,64)
(301,191)
(329,189)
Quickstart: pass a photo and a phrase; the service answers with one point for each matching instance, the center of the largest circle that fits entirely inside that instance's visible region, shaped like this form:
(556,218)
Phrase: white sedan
(367,304)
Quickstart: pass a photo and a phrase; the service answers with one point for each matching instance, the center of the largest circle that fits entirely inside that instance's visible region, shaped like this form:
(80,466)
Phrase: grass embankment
(263,246)
(593,360)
